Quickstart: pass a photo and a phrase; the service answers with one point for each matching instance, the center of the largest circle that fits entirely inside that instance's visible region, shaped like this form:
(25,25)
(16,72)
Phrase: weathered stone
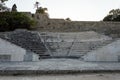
(26,39)
(110,52)
(11,52)
(74,44)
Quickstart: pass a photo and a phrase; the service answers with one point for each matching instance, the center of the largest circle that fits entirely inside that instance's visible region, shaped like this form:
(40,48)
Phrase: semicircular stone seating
(28,40)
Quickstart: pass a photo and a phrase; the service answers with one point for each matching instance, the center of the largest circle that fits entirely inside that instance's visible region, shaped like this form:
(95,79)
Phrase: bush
(114,15)
(14,20)
(112,18)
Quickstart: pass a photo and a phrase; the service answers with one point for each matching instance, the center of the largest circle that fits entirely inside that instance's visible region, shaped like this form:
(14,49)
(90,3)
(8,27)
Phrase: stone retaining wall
(60,25)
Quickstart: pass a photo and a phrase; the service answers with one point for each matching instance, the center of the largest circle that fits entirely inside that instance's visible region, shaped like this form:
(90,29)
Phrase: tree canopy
(3,0)
(3,8)
(37,4)
(41,10)
(68,19)
(13,20)
(14,8)
(114,15)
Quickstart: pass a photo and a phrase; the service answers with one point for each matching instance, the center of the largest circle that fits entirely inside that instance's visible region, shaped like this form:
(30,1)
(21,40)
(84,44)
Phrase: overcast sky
(82,10)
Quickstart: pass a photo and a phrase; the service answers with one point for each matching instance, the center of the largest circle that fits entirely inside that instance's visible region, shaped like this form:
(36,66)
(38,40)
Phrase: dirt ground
(93,76)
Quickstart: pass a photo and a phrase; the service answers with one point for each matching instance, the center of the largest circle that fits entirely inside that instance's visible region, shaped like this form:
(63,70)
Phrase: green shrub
(14,20)
(114,15)
(112,18)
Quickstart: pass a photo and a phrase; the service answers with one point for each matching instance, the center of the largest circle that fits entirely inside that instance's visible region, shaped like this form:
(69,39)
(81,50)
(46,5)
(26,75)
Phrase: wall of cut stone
(110,52)
(16,53)
(60,25)
(44,23)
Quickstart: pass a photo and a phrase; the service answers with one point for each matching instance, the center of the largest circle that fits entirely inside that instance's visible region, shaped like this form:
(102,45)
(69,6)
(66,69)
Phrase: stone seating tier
(26,39)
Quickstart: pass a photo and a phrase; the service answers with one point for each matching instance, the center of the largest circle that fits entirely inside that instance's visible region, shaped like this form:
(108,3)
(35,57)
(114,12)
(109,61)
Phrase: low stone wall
(108,28)
(44,23)
(44,72)
(60,25)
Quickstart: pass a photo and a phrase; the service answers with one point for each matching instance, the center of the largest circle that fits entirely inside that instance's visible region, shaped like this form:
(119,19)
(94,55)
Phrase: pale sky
(80,10)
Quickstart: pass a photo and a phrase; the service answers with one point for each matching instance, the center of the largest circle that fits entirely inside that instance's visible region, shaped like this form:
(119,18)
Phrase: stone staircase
(57,45)
(86,47)
(28,40)
(74,44)
(77,49)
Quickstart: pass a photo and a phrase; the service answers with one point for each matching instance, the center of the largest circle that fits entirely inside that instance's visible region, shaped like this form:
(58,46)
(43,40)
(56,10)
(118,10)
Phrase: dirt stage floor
(87,76)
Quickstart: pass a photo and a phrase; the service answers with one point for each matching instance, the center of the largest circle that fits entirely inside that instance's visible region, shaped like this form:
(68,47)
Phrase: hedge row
(13,20)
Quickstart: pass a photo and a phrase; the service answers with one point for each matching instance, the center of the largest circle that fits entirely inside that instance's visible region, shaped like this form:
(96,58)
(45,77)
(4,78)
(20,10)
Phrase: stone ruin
(58,38)
(27,40)
(73,44)
(88,46)
(46,24)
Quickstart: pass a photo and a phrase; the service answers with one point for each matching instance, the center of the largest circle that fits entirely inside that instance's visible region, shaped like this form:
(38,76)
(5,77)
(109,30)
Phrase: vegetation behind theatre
(14,20)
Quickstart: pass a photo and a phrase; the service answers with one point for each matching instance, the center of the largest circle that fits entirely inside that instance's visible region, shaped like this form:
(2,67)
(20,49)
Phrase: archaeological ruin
(59,38)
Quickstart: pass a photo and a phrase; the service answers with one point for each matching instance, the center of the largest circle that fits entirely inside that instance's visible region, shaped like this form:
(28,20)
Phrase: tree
(3,8)
(114,15)
(41,10)
(68,19)
(14,20)
(3,0)
(37,4)
(114,12)
(14,8)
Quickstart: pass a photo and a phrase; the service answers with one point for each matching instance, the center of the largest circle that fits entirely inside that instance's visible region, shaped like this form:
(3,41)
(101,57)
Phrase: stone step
(26,39)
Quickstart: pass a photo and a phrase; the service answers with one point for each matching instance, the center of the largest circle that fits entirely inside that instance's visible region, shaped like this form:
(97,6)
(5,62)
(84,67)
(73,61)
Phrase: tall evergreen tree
(14,8)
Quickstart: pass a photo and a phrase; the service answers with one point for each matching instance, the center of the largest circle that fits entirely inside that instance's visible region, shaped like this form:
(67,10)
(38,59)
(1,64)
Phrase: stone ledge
(42,72)
(57,66)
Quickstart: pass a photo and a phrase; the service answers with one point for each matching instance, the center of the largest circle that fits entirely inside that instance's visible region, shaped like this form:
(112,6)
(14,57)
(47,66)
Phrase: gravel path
(100,76)
(60,64)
